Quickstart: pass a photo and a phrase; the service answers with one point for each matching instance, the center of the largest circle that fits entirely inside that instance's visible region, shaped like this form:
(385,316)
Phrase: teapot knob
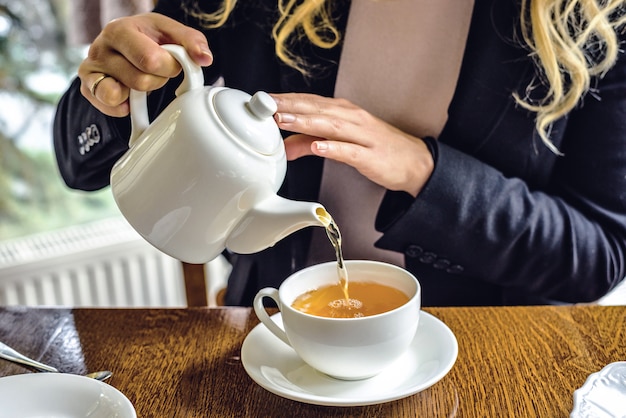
(262,105)
(249,119)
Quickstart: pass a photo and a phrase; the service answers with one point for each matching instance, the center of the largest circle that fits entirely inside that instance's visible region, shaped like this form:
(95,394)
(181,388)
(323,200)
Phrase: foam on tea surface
(366,298)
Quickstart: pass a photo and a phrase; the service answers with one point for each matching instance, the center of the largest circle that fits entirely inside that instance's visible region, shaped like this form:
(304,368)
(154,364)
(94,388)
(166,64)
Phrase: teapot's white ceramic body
(204,175)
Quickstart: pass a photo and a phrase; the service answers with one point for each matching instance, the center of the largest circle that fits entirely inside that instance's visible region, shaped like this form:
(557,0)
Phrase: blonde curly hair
(571,41)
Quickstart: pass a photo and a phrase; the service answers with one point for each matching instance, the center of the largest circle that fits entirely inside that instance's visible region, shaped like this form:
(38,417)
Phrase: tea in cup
(358,300)
(368,338)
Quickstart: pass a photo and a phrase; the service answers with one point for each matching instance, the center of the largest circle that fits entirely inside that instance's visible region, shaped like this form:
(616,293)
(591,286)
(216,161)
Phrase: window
(41,44)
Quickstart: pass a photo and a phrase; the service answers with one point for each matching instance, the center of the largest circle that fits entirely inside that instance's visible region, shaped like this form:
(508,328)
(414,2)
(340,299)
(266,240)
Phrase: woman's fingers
(137,40)
(339,130)
(298,145)
(128,52)
(107,94)
(323,117)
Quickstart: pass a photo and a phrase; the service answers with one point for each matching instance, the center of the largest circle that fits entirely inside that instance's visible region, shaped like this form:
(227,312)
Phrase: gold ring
(95,84)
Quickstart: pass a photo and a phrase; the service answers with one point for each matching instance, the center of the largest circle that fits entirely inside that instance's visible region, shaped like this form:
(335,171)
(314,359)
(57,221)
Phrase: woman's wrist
(422,168)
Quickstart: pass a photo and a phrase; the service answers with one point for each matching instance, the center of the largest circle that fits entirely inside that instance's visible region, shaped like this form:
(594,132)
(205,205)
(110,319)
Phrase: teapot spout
(271,220)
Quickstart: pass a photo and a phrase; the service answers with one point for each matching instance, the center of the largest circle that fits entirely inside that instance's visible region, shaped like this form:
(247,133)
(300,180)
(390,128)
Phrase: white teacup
(345,348)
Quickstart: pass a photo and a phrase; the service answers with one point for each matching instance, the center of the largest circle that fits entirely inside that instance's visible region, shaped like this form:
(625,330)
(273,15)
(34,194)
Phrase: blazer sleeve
(86,142)
(565,240)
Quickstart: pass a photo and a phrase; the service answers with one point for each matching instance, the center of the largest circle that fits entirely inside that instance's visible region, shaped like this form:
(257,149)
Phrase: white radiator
(107,264)
(102,264)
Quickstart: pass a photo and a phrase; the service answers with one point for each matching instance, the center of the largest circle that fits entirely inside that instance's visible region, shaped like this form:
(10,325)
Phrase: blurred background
(41,45)
(60,246)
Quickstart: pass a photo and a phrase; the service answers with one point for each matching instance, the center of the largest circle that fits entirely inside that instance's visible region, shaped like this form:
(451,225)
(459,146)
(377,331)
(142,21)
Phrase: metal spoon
(10,354)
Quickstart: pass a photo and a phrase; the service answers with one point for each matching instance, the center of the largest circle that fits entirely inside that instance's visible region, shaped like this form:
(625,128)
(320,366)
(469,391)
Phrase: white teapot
(203,175)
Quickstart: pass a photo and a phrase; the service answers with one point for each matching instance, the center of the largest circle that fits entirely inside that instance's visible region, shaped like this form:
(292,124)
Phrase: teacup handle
(193,79)
(264,317)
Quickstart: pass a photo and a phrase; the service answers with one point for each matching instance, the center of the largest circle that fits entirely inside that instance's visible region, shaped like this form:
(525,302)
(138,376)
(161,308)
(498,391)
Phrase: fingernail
(321,146)
(207,53)
(285,117)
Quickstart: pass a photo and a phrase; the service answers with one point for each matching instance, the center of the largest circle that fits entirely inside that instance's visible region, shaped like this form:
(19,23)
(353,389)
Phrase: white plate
(603,395)
(61,395)
(276,367)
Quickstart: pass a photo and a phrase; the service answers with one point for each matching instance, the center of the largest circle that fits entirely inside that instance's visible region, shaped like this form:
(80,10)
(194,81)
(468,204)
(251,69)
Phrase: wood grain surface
(512,362)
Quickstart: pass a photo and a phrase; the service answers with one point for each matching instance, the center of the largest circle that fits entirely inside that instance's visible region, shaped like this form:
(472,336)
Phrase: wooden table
(513,361)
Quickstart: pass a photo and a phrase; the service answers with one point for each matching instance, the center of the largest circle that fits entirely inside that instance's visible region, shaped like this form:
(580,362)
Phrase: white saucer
(603,395)
(61,395)
(276,367)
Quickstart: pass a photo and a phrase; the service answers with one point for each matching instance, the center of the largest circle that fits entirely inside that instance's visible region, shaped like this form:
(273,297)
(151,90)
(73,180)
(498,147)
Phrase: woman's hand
(339,130)
(127,52)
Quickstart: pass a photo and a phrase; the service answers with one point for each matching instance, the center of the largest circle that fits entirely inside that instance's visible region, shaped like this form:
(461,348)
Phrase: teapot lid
(249,118)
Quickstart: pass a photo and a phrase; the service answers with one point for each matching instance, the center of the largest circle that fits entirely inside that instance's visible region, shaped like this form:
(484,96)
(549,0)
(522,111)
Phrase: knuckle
(145,82)
(308,123)
(353,155)
(343,102)
(150,63)
(112,96)
(337,125)
(114,28)
(95,52)
(362,115)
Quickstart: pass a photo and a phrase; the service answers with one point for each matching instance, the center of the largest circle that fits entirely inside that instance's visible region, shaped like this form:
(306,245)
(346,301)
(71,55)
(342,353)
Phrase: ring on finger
(94,86)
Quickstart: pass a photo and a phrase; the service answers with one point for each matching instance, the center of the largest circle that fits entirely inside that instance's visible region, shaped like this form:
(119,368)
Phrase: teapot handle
(193,79)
